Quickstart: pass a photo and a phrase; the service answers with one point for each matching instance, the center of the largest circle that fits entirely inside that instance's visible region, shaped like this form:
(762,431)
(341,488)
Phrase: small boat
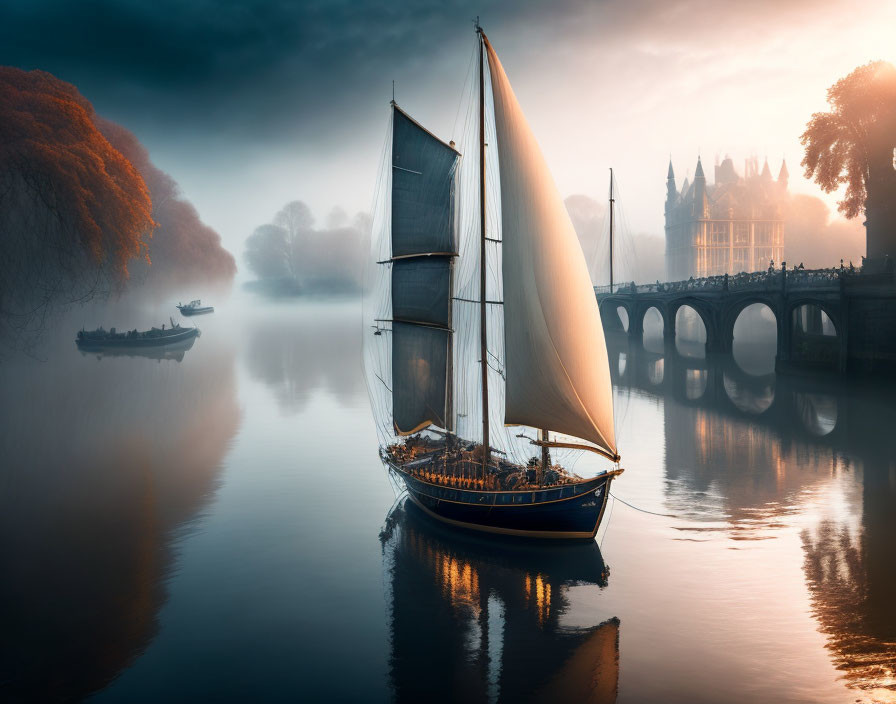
(169,351)
(194,308)
(484,319)
(102,339)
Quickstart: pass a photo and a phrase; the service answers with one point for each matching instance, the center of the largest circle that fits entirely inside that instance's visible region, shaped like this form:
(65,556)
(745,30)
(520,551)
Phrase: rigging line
(600,544)
(476,300)
(384,383)
(463,91)
(496,370)
(644,510)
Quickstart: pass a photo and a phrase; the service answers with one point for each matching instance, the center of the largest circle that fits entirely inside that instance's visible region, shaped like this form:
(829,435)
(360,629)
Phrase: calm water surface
(217,526)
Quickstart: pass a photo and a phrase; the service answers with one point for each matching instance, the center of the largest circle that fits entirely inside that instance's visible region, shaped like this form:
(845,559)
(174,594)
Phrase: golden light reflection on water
(503,640)
(797,460)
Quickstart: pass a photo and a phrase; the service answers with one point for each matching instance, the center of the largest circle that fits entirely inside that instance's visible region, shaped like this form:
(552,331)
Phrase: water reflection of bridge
(837,318)
(719,383)
(742,449)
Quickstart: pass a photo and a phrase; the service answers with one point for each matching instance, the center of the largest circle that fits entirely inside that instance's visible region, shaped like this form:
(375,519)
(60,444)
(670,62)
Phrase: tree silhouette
(267,252)
(290,255)
(73,210)
(855,144)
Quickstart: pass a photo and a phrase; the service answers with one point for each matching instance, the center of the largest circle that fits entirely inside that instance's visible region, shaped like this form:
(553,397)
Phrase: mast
(612,201)
(483,344)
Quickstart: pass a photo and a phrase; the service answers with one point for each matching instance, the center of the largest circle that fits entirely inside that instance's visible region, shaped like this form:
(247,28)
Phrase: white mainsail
(556,366)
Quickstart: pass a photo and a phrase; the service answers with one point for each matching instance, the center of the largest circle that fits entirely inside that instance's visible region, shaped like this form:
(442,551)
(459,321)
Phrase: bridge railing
(815,278)
(769,280)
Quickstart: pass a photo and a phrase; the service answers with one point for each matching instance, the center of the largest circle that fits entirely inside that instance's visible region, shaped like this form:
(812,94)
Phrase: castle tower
(733,225)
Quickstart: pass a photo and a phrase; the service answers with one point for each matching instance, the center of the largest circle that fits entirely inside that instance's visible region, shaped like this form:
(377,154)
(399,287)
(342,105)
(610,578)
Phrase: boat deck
(461,469)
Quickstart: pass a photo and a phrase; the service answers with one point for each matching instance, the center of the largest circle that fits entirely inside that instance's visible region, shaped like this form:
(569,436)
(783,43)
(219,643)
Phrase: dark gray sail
(422,190)
(421,290)
(423,247)
(419,377)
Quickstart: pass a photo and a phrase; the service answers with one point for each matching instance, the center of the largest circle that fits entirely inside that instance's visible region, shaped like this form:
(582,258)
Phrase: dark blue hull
(121,341)
(571,511)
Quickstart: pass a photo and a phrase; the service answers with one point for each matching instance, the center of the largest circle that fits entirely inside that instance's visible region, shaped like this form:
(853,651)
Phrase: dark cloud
(248,66)
(239,66)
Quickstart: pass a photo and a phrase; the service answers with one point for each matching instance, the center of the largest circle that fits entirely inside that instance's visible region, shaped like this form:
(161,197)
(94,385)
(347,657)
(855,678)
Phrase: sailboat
(485,321)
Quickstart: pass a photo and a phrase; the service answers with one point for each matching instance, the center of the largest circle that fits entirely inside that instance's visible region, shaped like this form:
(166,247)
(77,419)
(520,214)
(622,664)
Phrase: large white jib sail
(556,366)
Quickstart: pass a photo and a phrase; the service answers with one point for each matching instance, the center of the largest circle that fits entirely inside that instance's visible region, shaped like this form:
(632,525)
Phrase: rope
(600,543)
(642,510)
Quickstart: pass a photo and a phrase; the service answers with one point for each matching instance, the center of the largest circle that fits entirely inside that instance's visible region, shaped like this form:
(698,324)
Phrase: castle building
(733,225)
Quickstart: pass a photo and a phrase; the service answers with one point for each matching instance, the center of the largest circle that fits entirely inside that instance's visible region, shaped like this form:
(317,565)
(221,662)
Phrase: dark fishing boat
(484,312)
(101,339)
(194,308)
(167,351)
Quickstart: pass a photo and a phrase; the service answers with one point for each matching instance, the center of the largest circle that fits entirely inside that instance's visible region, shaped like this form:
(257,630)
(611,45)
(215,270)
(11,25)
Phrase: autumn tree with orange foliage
(184,251)
(73,210)
(854,144)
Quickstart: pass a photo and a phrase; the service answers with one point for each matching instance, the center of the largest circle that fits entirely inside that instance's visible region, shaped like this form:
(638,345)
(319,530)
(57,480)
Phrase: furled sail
(556,366)
(422,246)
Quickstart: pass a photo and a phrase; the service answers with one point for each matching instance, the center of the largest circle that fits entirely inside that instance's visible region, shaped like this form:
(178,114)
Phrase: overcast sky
(251,104)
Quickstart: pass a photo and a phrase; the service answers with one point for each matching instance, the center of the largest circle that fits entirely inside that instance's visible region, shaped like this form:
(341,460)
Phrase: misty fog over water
(221,516)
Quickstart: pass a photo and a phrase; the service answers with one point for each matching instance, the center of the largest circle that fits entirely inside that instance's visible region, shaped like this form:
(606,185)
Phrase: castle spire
(699,176)
(783,175)
(766,172)
(700,202)
(671,191)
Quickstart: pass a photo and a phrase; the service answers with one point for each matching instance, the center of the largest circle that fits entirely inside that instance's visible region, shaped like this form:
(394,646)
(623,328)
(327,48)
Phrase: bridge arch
(809,340)
(830,312)
(751,354)
(704,314)
(616,314)
(734,310)
(652,324)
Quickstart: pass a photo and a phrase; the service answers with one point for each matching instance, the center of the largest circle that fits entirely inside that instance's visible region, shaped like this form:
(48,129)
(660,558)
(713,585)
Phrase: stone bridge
(800,300)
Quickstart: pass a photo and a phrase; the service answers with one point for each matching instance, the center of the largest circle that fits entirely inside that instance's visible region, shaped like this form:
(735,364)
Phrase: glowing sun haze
(250,105)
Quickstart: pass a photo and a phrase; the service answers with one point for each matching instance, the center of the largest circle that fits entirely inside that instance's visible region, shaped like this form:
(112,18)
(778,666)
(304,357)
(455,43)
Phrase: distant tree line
(290,256)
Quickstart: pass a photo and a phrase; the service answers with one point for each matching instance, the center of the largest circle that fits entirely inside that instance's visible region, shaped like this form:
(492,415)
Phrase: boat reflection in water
(173,350)
(489,619)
